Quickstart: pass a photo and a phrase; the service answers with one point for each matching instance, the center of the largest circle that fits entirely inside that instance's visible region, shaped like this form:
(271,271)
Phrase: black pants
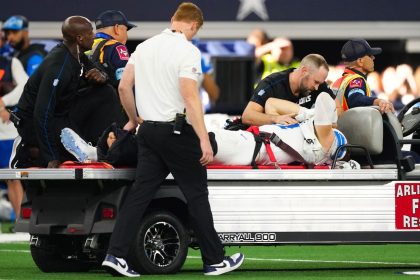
(160,152)
(29,152)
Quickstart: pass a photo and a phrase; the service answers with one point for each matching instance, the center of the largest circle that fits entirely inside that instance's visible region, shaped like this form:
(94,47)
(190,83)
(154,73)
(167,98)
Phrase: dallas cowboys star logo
(252,6)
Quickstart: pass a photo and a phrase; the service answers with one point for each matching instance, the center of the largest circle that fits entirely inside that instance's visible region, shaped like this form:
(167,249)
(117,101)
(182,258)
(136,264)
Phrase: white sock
(325,110)
(304,114)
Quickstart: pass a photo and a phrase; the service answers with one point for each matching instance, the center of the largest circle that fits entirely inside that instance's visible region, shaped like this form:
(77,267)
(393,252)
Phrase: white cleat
(75,145)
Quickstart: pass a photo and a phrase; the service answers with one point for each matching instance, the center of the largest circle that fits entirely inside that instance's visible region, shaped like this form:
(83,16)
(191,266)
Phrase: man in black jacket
(47,98)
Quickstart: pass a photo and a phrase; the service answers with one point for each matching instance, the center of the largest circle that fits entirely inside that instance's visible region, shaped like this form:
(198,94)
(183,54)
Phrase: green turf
(6,226)
(283,262)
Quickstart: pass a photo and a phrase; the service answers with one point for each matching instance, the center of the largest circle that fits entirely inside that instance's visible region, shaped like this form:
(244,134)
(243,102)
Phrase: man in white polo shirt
(164,70)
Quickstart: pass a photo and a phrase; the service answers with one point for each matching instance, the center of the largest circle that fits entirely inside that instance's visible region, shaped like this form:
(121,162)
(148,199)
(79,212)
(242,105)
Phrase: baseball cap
(16,22)
(357,48)
(112,17)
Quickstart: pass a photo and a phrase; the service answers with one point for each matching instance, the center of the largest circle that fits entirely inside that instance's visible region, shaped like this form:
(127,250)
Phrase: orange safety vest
(339,87)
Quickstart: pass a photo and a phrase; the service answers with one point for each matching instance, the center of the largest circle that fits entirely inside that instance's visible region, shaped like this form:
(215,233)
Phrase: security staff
(109,51)
(164,70)
(31,55)
(352,89)
(99,107)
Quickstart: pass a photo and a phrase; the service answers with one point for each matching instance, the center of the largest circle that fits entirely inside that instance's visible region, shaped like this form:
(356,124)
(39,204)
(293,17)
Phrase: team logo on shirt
(194,70)
(304,100)
(122,52)
(356,83)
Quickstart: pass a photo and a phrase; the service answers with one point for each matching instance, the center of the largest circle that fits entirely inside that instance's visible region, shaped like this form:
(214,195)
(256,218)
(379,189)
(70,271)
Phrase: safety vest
(272,66)
(342,84)
(98,49)
(97,56)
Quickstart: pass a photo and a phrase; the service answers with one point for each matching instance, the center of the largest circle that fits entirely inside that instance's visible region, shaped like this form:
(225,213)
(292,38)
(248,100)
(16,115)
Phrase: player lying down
(311,141)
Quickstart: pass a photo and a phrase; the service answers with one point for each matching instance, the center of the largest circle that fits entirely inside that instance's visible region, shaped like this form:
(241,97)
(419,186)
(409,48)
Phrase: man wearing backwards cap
(352,89)
(109,51)
(31,55)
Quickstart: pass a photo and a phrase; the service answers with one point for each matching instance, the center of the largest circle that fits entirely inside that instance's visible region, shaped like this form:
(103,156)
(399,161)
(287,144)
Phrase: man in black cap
(352,89)
(31,55)
(109,51)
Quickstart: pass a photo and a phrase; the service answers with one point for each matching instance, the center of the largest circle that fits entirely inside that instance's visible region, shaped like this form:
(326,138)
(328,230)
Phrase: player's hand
(285,119)
(207,151)
(96,76)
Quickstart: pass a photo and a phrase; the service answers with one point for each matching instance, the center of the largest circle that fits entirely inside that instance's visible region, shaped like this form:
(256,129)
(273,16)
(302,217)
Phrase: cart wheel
(161,244)
(53,255)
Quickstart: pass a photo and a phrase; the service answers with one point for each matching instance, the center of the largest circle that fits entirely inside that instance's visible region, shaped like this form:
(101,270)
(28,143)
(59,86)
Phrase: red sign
(407,205)
(122,52)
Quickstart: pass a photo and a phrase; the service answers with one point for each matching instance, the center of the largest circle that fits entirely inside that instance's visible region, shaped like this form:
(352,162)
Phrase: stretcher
(70,212)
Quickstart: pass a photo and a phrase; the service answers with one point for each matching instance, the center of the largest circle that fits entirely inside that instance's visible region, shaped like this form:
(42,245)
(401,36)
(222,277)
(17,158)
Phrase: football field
(281,262)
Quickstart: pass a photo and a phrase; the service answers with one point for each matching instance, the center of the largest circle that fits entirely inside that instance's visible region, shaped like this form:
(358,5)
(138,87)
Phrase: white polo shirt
(159,62)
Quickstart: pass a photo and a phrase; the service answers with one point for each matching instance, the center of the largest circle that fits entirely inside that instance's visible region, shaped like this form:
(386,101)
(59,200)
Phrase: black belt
(159,123)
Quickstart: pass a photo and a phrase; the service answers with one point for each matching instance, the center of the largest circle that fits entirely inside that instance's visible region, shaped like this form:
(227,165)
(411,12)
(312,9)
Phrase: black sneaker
(119,265)
(227,265)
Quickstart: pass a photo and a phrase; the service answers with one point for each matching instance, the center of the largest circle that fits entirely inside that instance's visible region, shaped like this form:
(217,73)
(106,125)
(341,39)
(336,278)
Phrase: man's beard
(19,45)
(303,90)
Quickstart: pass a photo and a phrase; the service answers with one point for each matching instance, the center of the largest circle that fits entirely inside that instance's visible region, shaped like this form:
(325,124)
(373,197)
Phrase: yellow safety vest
(271,65)
(96,42)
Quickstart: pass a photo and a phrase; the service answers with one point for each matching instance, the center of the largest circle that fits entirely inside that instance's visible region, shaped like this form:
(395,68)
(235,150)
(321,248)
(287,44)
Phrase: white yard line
(411,272)
(320,261)
(13,251)
(14,237)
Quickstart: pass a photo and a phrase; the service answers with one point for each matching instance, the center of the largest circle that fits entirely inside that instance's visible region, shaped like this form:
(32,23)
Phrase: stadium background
(313,26)
(316,26)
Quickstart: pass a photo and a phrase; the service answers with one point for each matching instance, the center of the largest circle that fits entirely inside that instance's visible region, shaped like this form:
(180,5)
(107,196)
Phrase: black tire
(161,244)
(53,255)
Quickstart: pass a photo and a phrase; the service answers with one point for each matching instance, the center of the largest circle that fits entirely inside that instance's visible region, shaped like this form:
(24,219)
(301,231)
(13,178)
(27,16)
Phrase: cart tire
(161,244)
(49,256)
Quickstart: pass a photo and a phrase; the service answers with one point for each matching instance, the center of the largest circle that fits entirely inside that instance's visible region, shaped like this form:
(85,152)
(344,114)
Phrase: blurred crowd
(398,84)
